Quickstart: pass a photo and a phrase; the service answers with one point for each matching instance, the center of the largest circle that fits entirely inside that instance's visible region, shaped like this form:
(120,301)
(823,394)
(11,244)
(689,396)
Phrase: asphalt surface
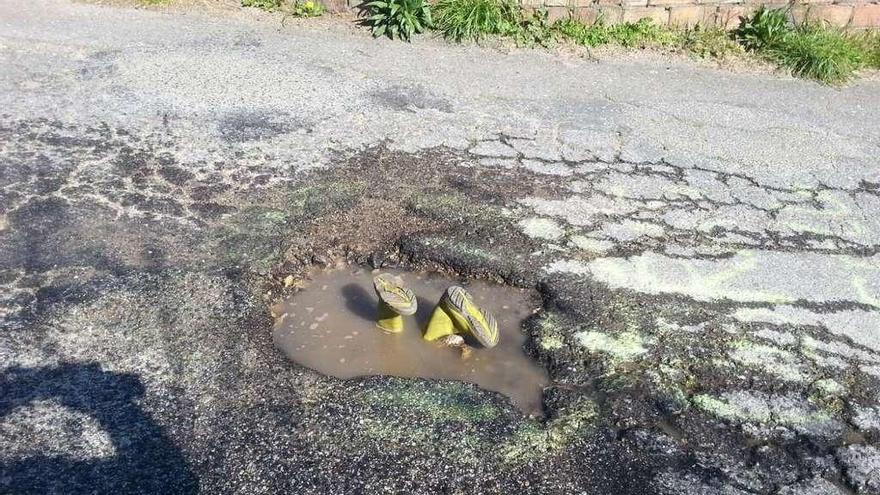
(705,244)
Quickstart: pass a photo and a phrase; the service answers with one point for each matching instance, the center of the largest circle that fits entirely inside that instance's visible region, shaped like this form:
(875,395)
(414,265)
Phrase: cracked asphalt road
(705,245)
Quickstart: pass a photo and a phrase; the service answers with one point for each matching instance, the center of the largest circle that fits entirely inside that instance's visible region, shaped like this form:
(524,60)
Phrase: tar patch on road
(406,98)
(246,126)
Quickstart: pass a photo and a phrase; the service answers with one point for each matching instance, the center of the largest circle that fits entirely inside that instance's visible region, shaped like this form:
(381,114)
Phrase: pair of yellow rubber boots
(456,313)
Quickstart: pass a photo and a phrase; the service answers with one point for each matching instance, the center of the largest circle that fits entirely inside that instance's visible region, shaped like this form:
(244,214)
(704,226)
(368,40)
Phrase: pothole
(330,327)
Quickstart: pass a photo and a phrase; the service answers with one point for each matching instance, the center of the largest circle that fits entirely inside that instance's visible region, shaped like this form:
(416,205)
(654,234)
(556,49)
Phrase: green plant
(269,5)
(708,43)
(820,53)
(628,34)
(810,50)
(641,33)
(475,19)
(765,28)
(309,8)
(396,18)
(869,43)
(534,29)
(593,35)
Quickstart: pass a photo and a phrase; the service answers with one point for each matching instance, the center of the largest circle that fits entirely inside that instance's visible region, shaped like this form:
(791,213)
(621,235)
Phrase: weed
(819,53)
(810,50)
(534,30)
(475,19)
(764,29)
(640,34)
(269,5)
(708,43)
(309,8)
(869,42)
(397,18)
(582,34)
(629,34)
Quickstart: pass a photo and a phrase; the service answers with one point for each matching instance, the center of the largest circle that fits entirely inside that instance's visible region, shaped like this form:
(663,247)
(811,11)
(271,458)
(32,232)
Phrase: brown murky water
(330,327)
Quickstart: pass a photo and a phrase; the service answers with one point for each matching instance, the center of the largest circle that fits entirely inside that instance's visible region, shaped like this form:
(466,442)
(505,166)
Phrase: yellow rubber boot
(440,324)
(388,319)
(458,313)
(394,300)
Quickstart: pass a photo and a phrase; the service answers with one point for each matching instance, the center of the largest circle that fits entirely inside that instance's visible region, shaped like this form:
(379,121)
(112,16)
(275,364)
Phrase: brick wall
(856,14)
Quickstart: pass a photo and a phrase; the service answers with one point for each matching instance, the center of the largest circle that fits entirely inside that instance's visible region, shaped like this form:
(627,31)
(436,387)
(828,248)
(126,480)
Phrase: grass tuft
(810,50)
(643,33)
(869,43)
(461,20)
(819,53)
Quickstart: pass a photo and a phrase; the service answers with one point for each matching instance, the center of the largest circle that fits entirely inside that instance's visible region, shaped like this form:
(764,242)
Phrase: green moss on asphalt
(743,412)
(673,381)
(828,395)
(534,441)
(438,401)
(316,200)
(769,359)
(548,334)
(453,207)
(624,347)
(459,248)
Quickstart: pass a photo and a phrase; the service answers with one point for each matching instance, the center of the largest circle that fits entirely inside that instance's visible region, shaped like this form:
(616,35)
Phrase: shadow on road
(146,460)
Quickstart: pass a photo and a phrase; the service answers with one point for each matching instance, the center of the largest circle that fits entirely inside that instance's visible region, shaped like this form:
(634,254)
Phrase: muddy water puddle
(329,326)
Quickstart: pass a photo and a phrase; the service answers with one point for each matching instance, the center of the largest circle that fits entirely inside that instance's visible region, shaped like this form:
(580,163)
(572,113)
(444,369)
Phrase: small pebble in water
(313,326)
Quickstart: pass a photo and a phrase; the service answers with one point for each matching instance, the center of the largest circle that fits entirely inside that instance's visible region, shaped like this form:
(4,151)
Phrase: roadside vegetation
(808,49)
(461,20)
(296,8)
(397,18)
